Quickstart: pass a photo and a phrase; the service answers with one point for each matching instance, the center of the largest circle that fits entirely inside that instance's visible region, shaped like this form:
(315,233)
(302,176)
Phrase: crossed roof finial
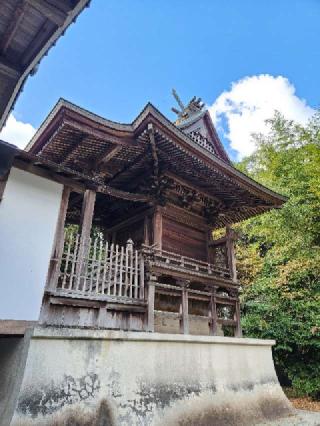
(195,105)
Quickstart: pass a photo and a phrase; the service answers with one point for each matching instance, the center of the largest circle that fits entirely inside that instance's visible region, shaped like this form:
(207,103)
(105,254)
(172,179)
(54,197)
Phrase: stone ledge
(87,334)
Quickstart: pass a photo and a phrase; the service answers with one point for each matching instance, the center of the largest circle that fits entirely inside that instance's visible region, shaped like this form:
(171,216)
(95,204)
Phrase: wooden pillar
(231,253)
(238,332)
(57,249)
(85,229)
(146,233)
(157,228)
(209,240)
(151,298)
(184,321)
(213,314)
(87,213)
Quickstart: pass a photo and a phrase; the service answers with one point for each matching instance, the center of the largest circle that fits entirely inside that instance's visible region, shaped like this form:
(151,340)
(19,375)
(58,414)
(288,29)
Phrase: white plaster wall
(28,217)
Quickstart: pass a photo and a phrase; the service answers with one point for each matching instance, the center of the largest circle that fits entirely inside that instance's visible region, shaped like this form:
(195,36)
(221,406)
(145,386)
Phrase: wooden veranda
(110,286)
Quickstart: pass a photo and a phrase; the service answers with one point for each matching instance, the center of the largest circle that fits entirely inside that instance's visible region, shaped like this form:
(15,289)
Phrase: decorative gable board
(201,129)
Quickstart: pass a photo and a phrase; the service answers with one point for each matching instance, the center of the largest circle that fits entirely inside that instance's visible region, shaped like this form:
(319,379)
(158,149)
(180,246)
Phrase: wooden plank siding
(182,239)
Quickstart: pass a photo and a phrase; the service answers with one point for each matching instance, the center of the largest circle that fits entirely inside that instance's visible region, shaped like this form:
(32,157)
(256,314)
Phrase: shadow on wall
(13,355)
(76,416)
(245,408)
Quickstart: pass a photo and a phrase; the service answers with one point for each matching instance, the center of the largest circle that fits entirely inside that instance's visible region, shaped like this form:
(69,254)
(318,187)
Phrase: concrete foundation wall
(87,377)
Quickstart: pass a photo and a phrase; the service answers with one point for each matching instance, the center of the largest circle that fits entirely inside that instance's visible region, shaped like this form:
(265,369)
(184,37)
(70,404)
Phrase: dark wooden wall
(184,239)
(175,230)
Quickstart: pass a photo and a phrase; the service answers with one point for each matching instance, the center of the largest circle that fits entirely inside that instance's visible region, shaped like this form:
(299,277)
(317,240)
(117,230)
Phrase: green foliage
(279,252)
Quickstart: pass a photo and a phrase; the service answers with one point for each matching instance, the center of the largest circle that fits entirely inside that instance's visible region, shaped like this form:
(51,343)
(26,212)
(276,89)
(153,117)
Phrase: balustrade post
(129,245)
(141,293)
(184,320)
(230,238)
(85,229)
(238,331)
(213,314)
(151,299)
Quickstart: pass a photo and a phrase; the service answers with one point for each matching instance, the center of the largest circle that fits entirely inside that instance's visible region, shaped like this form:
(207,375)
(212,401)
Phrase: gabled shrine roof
(120,155)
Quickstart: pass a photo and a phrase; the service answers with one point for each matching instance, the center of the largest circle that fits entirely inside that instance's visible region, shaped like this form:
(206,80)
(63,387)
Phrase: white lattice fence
(107,269)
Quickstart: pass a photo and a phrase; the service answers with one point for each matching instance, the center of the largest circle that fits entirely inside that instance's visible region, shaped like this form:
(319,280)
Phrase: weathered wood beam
(77,186)
(127,167)
(57,250)
(51,12)
(107,157)
(72,149)
(157,228)
(87,213)
(13,26)
(117,193)
(85,229)
(78,303)
(49,174)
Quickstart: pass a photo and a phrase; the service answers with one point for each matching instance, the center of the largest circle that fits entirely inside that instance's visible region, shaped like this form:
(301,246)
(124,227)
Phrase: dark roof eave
(42,52)
(148,110)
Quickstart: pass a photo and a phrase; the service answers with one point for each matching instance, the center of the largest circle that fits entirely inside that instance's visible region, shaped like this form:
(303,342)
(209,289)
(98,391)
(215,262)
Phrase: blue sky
(121,54)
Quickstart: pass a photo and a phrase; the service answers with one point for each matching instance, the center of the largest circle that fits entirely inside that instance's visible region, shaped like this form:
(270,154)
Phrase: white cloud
(17,132)
(243,110)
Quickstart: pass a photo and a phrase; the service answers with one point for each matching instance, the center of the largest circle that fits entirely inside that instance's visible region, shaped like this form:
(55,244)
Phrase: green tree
(279,252)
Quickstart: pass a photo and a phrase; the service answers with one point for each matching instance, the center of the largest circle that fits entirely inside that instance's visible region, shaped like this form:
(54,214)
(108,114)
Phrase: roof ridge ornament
(194,106)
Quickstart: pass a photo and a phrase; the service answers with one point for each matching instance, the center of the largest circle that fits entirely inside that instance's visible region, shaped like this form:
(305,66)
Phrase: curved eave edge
(149,109)
(67,105)
(43,51)
(222,165)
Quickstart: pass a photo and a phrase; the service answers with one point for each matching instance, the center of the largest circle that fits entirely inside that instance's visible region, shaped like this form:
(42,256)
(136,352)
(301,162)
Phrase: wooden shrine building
(133,246)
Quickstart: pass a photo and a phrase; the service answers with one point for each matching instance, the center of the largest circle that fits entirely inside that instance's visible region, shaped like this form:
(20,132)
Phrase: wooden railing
(174,260)
(96,274)
(108,269)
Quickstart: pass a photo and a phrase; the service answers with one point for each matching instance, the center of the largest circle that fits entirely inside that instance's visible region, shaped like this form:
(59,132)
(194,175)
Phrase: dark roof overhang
(12,156)
(28,28)
(80,139)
